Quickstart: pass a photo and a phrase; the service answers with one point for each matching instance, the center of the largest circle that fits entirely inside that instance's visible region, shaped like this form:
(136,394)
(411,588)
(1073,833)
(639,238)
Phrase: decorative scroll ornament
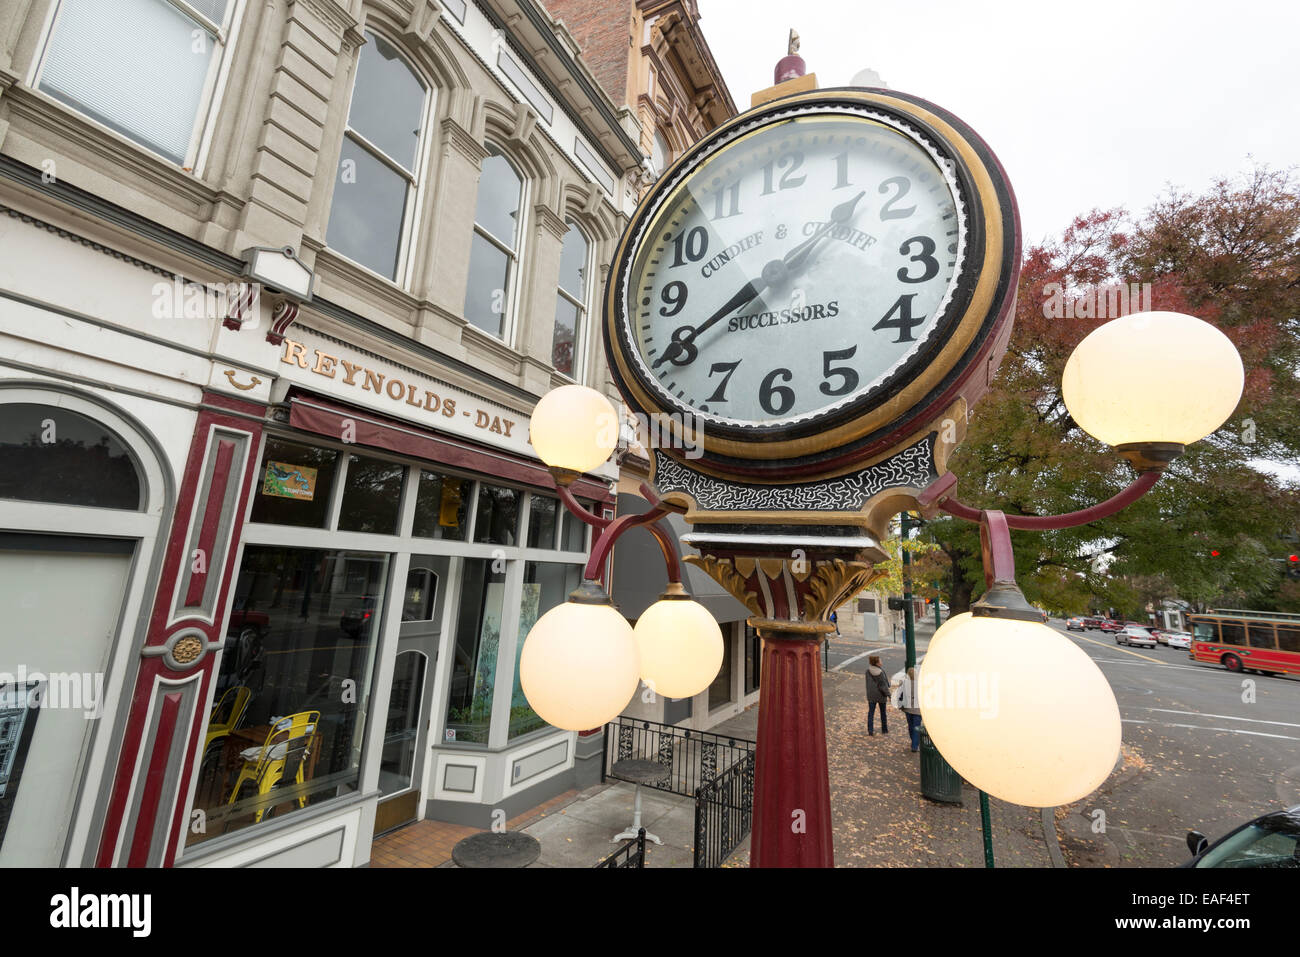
(788,588)
(722,571)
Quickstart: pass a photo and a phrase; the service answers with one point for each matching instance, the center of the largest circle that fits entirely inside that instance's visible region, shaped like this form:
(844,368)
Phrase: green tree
(1231,257)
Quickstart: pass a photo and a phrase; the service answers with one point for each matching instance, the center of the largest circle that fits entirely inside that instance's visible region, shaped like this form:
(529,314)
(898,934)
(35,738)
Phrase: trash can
(939,782)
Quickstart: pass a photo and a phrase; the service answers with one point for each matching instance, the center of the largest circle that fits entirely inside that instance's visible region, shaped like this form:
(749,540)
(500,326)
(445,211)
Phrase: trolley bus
(1268,642)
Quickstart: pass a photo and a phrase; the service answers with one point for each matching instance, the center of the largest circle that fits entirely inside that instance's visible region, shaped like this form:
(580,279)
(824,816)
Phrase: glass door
(406,727)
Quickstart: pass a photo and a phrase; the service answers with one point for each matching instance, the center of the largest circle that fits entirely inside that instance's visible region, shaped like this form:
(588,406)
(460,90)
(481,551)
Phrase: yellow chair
(227,713)
(290,740)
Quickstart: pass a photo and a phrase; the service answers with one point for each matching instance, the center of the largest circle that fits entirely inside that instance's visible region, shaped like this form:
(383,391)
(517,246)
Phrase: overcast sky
(1094,104)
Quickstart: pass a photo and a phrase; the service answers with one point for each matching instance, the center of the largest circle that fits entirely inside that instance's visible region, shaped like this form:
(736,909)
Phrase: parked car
(1091,624)
(356,620)
(1179,639)
(1075,624)
(1135,635)
(1109,627)
(1271,840)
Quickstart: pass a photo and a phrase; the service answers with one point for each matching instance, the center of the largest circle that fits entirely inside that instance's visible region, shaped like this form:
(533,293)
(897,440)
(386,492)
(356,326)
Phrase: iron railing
(724,813)
(694,758)
(630,854)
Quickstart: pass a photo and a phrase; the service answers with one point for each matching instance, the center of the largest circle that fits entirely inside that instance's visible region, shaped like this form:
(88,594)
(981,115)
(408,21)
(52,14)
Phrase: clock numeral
(690,247)
(905,321)
(929,265)
(686,352)
(776,399)
(674,294)
(732,195)
(788,179)
(903,185)
(720,393)
(842,170)
(847,374)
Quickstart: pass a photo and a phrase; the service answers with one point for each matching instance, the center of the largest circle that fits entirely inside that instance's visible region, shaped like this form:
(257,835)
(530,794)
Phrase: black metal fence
(630,854)
(694,758)
(724,813)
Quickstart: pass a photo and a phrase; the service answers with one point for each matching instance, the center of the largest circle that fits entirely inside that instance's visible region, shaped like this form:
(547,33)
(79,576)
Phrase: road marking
(844,664)
(1117,648)
(1201,727)
(1121,661)
(1225,717)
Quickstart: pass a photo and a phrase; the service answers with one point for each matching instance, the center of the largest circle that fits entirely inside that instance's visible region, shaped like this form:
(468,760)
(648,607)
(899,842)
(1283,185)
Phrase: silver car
(1180,639)
(1135,635)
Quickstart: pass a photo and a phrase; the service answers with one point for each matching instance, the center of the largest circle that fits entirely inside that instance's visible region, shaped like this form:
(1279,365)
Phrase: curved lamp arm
(611,529)
(938,494)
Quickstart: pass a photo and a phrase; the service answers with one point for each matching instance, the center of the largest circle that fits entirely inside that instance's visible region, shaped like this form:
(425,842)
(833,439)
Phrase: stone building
(281,284)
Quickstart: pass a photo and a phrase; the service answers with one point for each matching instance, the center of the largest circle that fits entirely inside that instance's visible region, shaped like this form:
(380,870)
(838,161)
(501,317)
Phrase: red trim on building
(312,414)
(162,744)
(211,521)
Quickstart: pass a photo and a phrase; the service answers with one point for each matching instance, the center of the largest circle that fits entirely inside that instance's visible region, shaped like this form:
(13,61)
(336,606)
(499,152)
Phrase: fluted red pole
(792,800)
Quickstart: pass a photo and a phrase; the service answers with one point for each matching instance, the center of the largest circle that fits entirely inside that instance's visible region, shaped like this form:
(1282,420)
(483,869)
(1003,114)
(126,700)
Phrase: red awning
(312,414)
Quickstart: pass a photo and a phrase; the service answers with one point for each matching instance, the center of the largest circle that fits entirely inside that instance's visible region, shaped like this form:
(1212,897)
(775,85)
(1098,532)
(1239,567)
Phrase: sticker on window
(289,481)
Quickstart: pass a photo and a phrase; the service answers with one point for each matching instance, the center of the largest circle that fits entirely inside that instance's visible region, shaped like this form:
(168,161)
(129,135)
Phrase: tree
(1230,257)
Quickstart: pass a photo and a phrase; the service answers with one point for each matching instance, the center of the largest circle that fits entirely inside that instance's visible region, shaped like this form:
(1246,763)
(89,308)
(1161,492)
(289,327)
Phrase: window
(1261,635)
(494,246)
(543,518)
(51,454)
(1288,637)
(571,303)
(144,68)
(496,520)
(293,486)
(720,690)
(374,192)
(1206,630)
(546,585)
(1232,633)
(441,506)
(660,153)
(372,496)
(478,638)
(292,697)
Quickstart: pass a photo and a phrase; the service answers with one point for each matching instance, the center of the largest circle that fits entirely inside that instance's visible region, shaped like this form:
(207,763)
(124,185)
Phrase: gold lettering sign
(358,376)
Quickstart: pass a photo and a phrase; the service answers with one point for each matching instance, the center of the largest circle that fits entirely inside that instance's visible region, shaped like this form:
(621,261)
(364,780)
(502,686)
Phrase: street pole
(909,623)
(936,606)
(986,827)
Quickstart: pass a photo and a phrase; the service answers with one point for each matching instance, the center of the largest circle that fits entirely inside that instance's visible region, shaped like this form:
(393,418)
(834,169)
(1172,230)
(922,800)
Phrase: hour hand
(685,335)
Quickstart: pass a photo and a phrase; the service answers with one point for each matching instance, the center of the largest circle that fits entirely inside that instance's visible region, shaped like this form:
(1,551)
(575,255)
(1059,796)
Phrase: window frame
(514,257)
(580,337)
(416,178)
(214,83)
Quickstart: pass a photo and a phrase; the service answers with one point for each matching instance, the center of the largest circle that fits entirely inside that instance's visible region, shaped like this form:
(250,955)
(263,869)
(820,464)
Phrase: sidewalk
(879,816)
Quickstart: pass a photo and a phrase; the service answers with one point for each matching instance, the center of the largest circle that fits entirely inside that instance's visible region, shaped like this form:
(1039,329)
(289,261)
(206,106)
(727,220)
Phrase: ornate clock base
(792,592)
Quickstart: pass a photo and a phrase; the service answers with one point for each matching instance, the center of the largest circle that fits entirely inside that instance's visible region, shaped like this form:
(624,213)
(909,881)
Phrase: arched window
(494,247)
(661,153)
(571,303)
(54,455)
(378,174)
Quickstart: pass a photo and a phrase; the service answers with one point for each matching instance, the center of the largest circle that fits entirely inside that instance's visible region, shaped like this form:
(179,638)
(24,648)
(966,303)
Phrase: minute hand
(798,257)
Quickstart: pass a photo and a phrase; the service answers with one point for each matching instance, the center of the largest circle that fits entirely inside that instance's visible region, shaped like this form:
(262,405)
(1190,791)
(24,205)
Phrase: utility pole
(908,523)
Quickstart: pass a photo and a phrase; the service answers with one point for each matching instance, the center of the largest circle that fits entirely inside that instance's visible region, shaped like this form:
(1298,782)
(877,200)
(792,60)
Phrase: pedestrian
(835,620)
(877,695)
(909,702)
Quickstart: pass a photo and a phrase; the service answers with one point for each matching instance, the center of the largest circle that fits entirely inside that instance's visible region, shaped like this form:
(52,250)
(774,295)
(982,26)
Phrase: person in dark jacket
(877,695)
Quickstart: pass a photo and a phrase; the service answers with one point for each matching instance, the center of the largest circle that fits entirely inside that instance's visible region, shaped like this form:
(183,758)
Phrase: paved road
(1205,750)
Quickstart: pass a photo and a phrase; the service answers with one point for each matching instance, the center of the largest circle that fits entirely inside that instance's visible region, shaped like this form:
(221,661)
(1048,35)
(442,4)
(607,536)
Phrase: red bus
(1263,641)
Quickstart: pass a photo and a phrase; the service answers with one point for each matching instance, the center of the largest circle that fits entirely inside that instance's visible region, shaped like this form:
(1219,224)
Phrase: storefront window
(720,690)
(442,506)
(543,516)
(478,638)
(292,694)
(49,454)
(372,496)
(546,584)
(574,537)
(496,520)
(402,730)
(293,484)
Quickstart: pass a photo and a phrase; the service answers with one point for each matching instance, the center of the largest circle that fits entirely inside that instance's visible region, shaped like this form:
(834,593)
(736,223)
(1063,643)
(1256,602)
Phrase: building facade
(281,283)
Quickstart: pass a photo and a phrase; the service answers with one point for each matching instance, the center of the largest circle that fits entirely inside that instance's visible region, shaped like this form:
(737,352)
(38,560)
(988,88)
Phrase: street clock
(813,286)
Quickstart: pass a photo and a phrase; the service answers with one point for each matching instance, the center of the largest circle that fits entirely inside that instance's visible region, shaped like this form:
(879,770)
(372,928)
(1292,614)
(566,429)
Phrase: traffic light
(1293,565)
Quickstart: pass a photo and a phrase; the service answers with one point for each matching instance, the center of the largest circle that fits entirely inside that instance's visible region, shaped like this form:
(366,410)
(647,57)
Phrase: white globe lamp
(680,645)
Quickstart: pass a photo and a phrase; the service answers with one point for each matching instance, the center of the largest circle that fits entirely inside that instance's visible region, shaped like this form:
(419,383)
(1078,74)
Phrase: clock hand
(684,335)
(796,258)
(775,271)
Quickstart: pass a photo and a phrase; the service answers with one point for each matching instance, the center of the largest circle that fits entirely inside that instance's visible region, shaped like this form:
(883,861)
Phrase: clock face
(796,270)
